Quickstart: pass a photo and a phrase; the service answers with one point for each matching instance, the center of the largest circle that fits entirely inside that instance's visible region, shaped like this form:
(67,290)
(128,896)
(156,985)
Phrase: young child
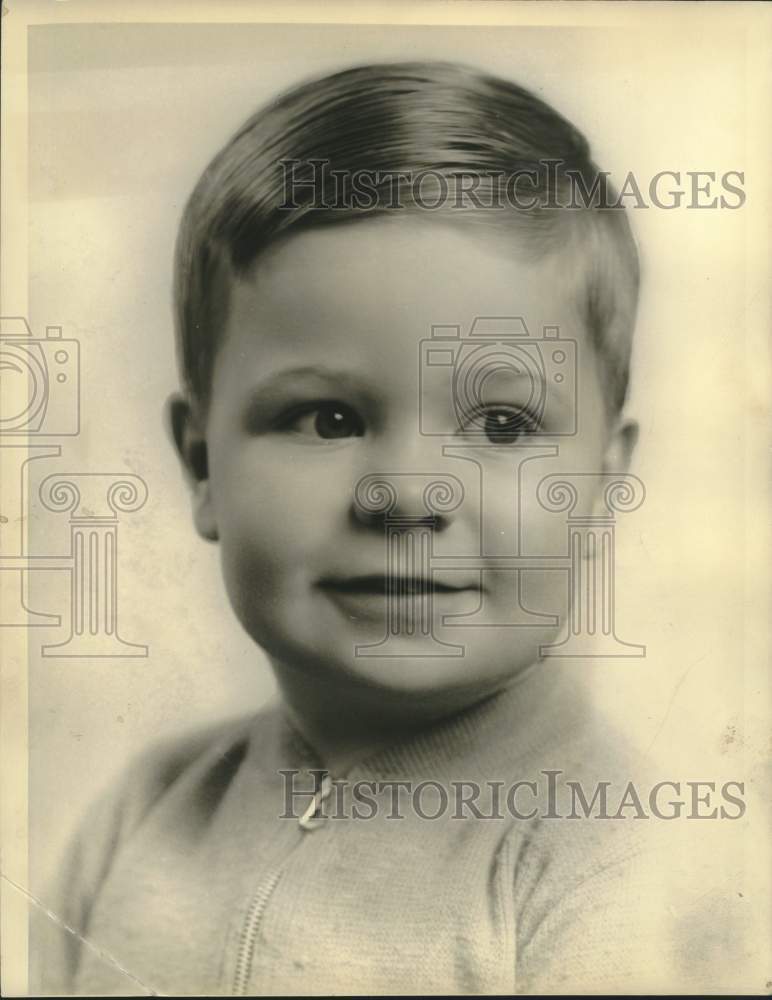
(293,852)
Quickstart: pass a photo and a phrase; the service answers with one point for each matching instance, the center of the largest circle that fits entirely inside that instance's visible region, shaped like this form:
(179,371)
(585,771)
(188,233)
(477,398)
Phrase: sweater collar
(542,706)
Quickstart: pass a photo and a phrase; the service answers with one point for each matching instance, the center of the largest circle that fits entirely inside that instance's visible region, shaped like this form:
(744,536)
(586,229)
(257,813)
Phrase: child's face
(316,384)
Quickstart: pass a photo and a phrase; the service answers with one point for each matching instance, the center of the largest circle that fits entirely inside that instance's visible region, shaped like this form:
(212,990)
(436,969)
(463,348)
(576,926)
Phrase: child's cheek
(275,506)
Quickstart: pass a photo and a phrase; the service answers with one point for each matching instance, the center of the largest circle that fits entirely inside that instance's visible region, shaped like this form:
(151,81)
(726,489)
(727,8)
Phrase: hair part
(398,120)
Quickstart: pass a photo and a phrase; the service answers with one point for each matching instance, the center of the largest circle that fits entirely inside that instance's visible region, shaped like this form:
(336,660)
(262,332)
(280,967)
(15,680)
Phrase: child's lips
(378,585)
(367,598)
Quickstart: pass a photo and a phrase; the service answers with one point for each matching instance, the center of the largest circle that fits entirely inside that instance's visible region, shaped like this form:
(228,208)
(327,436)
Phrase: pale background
(122,119)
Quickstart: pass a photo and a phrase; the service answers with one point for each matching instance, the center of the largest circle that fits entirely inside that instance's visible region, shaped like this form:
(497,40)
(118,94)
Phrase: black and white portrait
(385,512)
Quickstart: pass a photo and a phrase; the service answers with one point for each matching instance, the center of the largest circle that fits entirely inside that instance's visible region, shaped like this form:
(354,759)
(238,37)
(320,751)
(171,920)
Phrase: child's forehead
(411,271)
(365,301)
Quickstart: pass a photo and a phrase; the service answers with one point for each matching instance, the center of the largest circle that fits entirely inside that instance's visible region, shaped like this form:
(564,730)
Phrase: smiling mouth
(395,586)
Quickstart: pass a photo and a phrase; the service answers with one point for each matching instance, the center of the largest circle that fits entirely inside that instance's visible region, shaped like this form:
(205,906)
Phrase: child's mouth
(394,586)
(369,598)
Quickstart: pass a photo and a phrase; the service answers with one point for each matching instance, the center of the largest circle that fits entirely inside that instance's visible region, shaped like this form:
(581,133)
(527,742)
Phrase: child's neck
(344,723)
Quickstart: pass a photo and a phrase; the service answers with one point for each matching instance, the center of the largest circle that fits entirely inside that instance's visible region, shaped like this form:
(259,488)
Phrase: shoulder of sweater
(116,813)
(593,788)
(189,757)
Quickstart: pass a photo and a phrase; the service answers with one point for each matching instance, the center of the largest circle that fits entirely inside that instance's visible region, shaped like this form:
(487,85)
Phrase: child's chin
(422,665)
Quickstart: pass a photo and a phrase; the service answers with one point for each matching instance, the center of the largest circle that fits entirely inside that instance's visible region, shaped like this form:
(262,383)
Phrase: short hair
(396,121)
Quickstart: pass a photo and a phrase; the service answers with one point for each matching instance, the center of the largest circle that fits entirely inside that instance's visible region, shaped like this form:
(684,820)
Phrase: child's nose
(407,499)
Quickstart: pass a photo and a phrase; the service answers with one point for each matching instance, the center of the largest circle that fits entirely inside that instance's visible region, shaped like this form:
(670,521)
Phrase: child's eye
(327,420)
(504,424)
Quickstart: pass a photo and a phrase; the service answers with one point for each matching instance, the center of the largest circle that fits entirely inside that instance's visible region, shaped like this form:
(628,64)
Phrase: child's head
(317,251)
(402,121)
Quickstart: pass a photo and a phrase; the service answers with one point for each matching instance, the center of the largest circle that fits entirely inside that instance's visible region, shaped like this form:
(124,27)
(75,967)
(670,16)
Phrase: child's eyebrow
(306,377)
(279,379)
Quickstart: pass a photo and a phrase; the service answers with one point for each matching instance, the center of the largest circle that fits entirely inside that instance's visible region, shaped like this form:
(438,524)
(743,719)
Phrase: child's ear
(187,431)
(621,445)
(616,458)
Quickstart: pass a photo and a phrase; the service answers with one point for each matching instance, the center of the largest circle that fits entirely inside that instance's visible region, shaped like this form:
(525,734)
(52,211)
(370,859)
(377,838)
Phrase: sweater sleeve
(659,922)
(59,924)
(592,939)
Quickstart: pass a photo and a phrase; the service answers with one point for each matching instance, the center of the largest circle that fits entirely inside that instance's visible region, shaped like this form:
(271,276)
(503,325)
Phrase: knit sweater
(185,880)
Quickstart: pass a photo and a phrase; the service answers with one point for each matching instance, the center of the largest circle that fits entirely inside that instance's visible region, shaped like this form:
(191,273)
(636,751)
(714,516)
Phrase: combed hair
(399,119)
